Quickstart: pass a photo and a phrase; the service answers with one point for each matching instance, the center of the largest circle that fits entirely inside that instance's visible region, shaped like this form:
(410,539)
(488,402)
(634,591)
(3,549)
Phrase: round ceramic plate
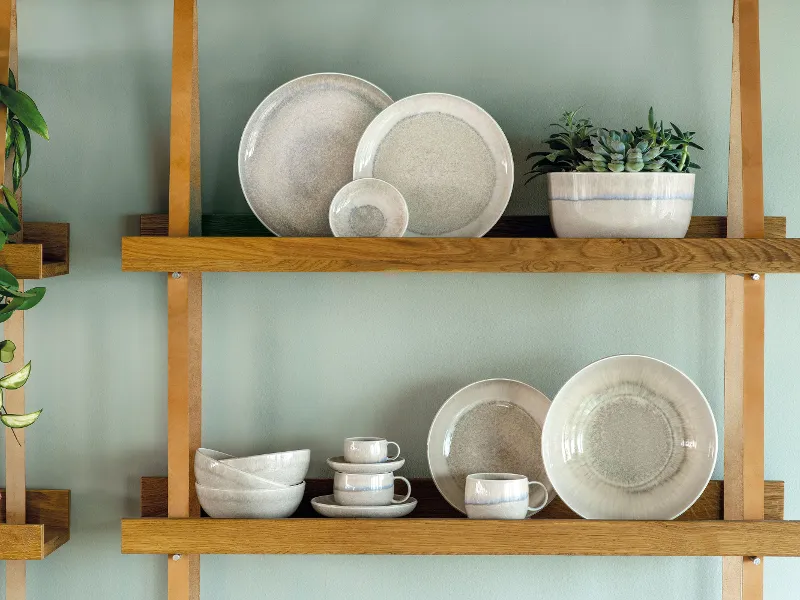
(297,149)
(449,159)
(492,426)
(368,208)
(629,437)
(338,463)
(326,506)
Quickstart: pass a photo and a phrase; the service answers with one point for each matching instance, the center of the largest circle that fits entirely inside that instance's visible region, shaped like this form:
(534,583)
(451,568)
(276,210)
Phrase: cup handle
(396,445)
(408,485)
(536,509)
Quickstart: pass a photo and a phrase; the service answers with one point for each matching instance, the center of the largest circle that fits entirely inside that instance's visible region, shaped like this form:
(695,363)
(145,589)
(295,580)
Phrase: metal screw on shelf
(176,275)
(176,557)
(756,560)
(755,276)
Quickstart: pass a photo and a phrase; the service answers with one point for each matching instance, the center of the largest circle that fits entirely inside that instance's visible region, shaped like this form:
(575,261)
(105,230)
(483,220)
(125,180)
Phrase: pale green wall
(300,360)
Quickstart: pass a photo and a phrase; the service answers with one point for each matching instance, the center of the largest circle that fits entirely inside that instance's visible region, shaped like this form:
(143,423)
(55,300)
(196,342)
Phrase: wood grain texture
(412,536)
(510,226)
(45,252)
(54,238)
(47,528)
(431,504)
(466,255)
(43,507)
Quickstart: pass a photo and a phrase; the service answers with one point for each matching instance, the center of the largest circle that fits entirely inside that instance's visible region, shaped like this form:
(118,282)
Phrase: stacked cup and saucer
(363,483)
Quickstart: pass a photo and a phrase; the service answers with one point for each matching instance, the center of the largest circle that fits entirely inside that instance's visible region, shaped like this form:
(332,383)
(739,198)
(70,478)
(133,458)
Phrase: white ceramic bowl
(210,472)
(288,468)
(250,504)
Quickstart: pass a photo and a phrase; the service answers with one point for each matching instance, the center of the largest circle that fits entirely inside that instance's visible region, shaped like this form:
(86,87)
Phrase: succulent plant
(579,146)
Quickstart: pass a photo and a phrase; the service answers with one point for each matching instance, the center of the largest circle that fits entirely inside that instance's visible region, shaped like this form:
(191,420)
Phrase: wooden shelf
(47,528)
(44,252)
(466,255)
(436,528)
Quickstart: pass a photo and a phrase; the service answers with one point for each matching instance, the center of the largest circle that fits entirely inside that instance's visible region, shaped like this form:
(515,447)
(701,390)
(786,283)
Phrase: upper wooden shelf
(44,252)
(500,254)
(46,530)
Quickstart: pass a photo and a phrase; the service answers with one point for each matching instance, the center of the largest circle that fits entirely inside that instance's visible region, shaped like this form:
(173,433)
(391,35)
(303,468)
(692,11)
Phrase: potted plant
(614,184)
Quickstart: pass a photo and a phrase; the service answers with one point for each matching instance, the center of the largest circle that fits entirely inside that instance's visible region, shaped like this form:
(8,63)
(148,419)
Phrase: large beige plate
(449,159)
(629,437)
(492,426)
(297,149)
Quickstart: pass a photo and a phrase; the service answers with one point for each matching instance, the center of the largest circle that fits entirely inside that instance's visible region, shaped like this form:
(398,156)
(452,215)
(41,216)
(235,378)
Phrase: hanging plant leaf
(7,280)
(26,134)
(7,349)
(25,109)
(9,138)
(33,298)
(16,171)
(10,307)
(8,220)
(20,421)
(11,199)
(14,381)
(12,81)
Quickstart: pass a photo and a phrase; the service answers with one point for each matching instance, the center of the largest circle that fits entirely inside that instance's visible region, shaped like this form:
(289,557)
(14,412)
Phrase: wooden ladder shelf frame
(744,345)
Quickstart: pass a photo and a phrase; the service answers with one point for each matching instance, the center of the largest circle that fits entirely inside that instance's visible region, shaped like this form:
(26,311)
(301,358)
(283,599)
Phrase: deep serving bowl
(250,504)
(210,472)
(288,468)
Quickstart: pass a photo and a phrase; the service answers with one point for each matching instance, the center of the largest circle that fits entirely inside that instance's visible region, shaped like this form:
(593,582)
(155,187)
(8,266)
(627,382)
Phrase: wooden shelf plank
(411,536)
(44,253)
(467,255)
(431,504)
(47,529)
(538,226)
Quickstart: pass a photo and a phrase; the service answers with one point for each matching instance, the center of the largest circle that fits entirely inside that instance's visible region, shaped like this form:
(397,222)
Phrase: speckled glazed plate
(449,159)
(298,146)
(327,507)
(629,437)
(368,208)
(492,426)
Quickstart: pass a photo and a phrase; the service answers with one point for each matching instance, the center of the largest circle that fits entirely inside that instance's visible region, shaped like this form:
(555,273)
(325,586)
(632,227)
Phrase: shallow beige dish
(288,468)
(449,159)
(368,208)
(250,504)
(327,507)
(629,437)
(491,426)
(210,472)
(298,146)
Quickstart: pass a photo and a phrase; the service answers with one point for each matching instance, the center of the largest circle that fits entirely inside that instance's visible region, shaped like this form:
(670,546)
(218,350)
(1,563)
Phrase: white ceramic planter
(621,205)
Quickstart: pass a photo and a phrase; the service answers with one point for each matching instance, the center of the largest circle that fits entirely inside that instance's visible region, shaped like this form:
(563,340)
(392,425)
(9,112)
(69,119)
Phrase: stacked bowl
(267,486)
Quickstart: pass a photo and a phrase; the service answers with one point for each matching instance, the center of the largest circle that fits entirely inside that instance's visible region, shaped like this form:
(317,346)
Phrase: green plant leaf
(35,296)
(16,171)
(12,81)
(7,280)
(20,421)
(25,109)
(11,199)
(9,138)
(14,381)
(7,217)
(7,349)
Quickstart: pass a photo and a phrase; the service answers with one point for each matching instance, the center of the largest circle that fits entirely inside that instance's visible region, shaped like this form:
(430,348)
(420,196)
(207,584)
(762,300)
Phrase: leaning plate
(297,149)
(368,208)
(629,437)
(492,426)
(338,463)
(449,159)
(327,507)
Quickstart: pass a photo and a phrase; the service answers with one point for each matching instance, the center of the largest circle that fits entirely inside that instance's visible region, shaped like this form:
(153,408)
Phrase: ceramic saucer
(338,463)
(327,507)
(368,208)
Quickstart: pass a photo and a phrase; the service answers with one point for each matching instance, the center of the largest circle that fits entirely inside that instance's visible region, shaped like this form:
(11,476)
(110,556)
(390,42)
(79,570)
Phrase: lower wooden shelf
(436,528)
(46,530)
(44,252)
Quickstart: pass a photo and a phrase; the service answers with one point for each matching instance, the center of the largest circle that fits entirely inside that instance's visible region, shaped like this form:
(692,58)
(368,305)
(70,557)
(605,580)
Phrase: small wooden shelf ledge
(47,528)
(44,252)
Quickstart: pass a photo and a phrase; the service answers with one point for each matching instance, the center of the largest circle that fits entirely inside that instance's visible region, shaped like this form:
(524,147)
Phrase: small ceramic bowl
(210,472)
(288,468)
(250,504)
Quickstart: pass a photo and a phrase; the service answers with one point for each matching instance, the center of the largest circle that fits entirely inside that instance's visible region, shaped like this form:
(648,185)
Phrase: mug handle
(536,509)
(408,485)
(396,456)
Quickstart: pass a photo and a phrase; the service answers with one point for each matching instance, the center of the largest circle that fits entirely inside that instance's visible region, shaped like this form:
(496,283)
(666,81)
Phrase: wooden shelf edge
(44,252)
(48,527)
(410,536)
(463,255)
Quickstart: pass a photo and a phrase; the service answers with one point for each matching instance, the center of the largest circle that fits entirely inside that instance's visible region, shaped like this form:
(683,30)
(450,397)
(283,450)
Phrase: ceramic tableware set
(267,486)
(627,437)
(363,482)
(332,154)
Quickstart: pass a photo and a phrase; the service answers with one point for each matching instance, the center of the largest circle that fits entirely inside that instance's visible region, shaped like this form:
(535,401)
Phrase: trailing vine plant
(23,118)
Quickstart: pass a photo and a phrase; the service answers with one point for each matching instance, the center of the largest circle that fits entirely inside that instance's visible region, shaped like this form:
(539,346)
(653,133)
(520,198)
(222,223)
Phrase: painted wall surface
(297,360)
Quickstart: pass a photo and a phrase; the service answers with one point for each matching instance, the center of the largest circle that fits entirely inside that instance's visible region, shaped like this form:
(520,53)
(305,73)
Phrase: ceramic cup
(365,450)
(500,496)
(351,489)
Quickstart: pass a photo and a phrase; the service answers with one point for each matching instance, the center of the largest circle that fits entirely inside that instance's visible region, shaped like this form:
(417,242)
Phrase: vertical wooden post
(14,329)
(744,307)
(184,292)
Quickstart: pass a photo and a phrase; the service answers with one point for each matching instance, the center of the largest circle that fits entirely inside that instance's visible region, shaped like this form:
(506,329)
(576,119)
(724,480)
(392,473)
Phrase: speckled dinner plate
(298,146)
(492,426)
(629,437)
(449,159)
